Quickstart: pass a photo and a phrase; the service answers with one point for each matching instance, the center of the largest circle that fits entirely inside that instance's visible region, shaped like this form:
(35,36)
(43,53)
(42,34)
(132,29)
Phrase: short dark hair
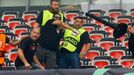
(54,1)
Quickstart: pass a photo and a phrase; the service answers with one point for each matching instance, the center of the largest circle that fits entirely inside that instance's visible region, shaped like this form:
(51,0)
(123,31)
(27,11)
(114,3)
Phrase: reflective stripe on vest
(71,40)
(2,47)
(47,15)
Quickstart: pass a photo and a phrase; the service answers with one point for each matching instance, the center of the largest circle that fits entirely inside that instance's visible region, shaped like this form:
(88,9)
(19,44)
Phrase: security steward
(70,50)
(46,15)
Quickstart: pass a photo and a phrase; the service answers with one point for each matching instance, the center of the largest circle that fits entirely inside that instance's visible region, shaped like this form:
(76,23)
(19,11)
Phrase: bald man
(26,52)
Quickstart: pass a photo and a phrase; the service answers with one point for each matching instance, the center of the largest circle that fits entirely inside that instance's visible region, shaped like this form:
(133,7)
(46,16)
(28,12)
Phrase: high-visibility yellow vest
(47,15)
(2,47)
(71,40)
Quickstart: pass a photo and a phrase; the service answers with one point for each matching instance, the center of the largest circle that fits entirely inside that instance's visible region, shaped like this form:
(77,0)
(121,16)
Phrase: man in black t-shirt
(131,41)
(26,52)
(50,37)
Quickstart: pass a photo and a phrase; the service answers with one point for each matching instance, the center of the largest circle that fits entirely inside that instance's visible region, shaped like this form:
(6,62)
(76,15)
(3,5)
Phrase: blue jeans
(69,60)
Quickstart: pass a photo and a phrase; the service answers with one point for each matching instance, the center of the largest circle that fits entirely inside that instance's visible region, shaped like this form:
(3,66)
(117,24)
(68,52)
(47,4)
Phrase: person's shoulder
(26,39)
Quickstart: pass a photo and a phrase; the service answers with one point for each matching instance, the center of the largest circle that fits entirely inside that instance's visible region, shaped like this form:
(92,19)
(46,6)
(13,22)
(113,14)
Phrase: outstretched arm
(86,48)
(23,59)
(16,42)
(37,62)
(62,24)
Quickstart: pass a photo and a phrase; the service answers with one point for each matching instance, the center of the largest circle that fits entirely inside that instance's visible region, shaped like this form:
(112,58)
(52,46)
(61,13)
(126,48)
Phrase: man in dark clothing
(131,41)
(50,37)
(70,50)
(26,52)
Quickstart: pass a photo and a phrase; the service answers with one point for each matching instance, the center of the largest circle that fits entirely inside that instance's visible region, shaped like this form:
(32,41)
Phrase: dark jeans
(69,60)
(50,59)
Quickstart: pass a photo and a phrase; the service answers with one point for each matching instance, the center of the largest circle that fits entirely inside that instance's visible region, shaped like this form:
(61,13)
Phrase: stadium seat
(126,61)
(93,52)
(97,35)
(109,30)
(8,48)
(71,14)
(4,29)
(114,13)
(90,27)
(107,18)
(107,43)
(12,23)
(21,29)
(117,52)
(32,22)
(28,15)
(97,12)
(124,19)
(125,43)
(101,61)
(7,15)
(13,54)
(11,35)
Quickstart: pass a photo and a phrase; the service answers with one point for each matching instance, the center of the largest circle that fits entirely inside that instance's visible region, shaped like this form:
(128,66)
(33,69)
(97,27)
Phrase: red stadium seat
(124,19)
(21,29)
(107,43)
(107,18)
(109,30)
(114,13)
(15,22)
(9,15)
(101,61)
(126,61)
(91,27)
(28,15)
(117,52)
(71,14)
(8,48)
(93,52)
(125,43)
(97,12)
(97,35)
(13,55)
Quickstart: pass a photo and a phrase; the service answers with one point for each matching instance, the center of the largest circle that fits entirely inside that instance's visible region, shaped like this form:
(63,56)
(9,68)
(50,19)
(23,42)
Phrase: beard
(55,11)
